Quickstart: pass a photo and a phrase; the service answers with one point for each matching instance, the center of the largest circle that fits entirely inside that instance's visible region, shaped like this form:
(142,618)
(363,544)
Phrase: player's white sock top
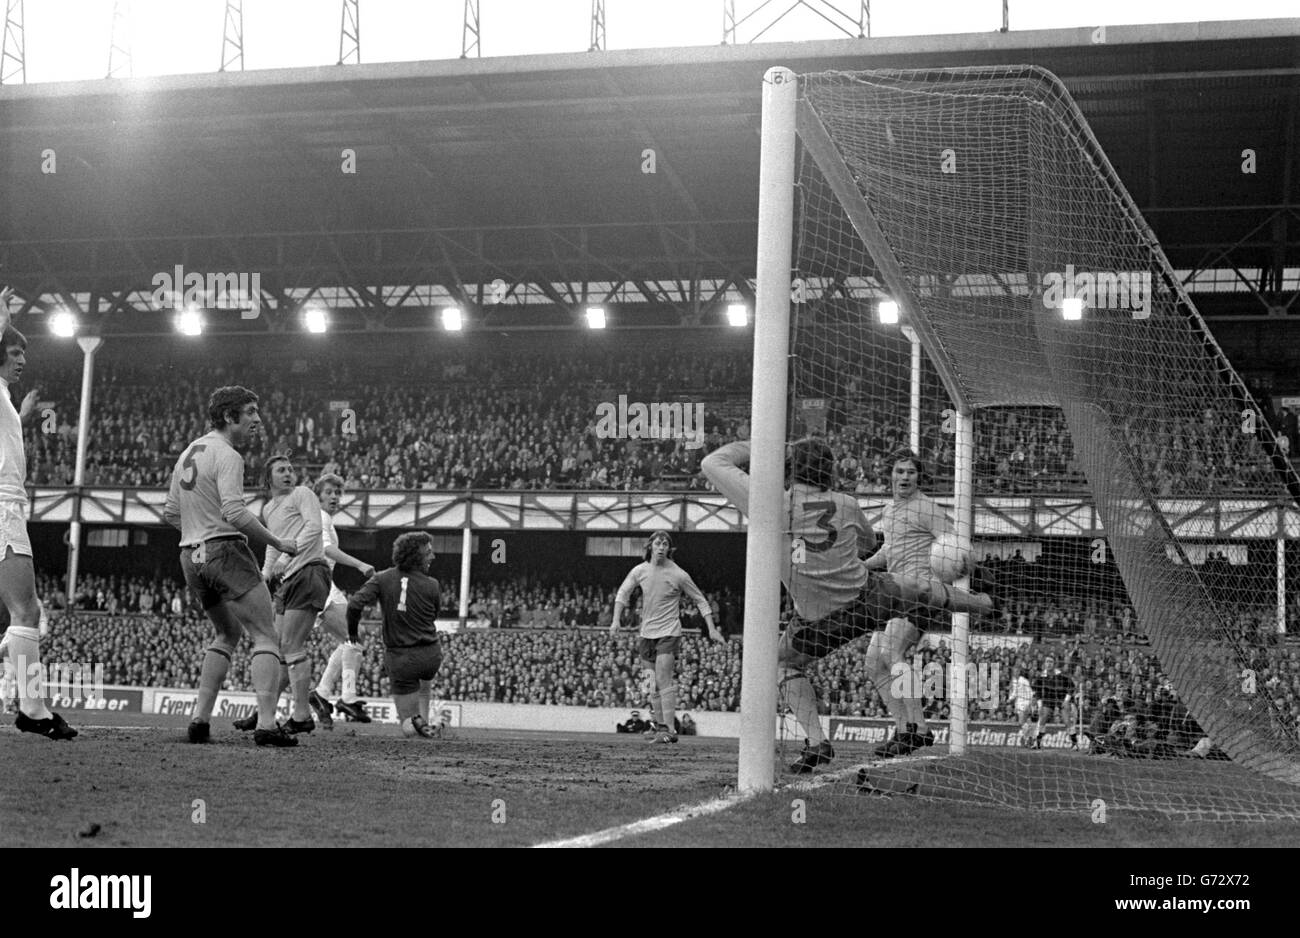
(351,663)
(25,653)
(333,668)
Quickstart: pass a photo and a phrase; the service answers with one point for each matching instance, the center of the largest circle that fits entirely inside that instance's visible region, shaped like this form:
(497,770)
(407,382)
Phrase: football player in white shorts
(17,571)
(9,676)
(346,657)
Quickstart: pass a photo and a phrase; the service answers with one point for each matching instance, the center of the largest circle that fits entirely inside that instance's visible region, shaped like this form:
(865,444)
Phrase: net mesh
(1129,492)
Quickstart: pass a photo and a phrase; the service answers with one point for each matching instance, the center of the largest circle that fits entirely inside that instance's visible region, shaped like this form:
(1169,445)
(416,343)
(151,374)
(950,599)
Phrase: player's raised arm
(722,467)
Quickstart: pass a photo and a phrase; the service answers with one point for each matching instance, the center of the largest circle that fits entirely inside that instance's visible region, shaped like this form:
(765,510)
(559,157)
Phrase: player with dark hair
(911,524)
(1054,691)
(345,659)
(835,598)
(408,599)
(662,583)
(17,571)
(301,581)
(206,502)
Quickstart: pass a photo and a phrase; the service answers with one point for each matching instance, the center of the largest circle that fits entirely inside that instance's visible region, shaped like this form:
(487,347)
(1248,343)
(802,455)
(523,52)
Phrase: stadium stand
(547,644)
(529,422)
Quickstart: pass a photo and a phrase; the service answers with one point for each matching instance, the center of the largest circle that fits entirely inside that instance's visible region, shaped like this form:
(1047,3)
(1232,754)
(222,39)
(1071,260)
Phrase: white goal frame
(785,122)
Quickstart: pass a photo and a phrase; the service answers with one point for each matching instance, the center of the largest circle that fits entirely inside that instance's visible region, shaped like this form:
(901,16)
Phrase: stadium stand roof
(528,172)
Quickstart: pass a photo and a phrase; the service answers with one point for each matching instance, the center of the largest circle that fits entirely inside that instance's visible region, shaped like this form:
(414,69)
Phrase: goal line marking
(656,823)
(713,806)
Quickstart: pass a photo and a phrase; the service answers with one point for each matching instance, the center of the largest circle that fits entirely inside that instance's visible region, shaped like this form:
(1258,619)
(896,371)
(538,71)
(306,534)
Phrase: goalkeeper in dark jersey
(408,598)
(1054,691)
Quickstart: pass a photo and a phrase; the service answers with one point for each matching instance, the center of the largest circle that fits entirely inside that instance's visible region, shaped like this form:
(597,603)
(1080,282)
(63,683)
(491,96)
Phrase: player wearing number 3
(836,599)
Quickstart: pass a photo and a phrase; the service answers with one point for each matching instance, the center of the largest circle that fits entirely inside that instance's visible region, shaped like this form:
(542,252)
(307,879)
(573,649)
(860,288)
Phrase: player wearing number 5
(206,502)
(408,599)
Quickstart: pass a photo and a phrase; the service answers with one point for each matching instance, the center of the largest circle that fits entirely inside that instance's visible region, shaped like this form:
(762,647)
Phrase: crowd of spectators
(513,421)
(550,644)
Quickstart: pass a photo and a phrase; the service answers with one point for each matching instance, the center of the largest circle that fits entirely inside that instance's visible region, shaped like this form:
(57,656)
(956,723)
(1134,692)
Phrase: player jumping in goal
(301,583)
(836,599)
(662,585)
(206,501)
(911,524)
(345,659)
(408,599)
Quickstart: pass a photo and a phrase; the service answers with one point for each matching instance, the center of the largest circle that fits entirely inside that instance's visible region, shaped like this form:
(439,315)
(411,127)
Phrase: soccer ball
(949,560)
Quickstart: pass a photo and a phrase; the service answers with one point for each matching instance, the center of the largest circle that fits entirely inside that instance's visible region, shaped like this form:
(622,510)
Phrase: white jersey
(1022,692)
(329,536)
(910,526)
(293,517)
(13,457)
(662,587)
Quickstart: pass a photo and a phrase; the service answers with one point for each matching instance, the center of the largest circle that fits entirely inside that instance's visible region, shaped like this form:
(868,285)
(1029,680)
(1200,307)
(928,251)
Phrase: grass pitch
(132,780)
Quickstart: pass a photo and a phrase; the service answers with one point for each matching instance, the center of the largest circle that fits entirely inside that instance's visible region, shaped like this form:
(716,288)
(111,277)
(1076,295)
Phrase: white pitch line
(829,778)
(717,805)
(107,726)
(657,823)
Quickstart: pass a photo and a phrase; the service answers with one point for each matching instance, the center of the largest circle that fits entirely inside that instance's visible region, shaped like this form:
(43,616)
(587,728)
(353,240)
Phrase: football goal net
(948,263)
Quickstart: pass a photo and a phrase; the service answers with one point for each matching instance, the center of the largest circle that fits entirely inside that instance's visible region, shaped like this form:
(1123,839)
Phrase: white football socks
(333,668)
(351,665)
(25,653)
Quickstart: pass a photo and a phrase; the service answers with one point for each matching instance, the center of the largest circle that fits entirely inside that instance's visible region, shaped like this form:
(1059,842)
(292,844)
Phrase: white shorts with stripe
(13,529)
(336,596)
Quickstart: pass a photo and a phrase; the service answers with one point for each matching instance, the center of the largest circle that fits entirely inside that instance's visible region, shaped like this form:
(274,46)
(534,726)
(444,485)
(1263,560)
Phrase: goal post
(765,542)
(1075,373)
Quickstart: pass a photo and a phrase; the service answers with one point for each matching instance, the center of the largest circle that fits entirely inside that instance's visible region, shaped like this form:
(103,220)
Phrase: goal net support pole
(1281,586)
(963,510)
(765,543)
